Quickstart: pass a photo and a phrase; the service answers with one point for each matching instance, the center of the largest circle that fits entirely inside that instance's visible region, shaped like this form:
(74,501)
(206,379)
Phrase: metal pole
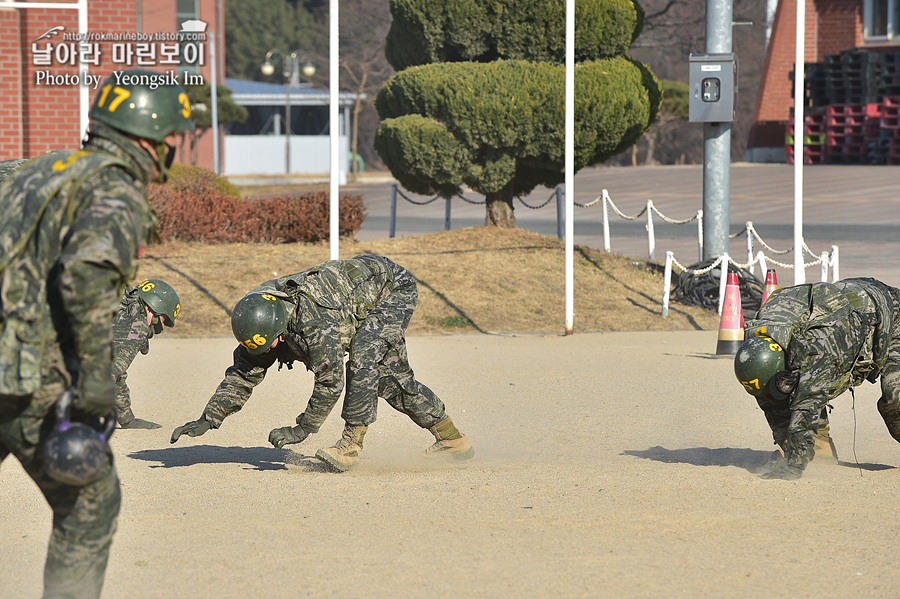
(393,210)
(799,121)
(570,166)
(559,213)
(717,142)
(447,214)
(287,128)
(215,102)
(334,129)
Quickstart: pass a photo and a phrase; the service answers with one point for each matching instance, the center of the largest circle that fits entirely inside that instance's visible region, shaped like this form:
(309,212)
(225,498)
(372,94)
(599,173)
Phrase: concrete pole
(716,143)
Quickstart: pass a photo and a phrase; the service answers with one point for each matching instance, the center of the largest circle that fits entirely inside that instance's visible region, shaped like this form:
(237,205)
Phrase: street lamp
(291,69)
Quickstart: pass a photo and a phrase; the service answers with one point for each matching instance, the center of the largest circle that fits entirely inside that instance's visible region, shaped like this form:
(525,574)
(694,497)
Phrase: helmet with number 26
(756,362)
(161,299)
(257,320)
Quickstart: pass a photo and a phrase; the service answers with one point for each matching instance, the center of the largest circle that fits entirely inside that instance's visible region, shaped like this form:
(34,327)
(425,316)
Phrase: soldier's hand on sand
(286,435)
(783,471)
(194,428)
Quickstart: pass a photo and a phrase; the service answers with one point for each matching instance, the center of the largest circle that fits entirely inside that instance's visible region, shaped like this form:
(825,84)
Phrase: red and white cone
(731,325)
(771,285)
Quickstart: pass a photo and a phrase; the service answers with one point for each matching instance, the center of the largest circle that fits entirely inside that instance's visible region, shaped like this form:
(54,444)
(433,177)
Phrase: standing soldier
(145,310)
(810,343)
(73,225)
(359,307)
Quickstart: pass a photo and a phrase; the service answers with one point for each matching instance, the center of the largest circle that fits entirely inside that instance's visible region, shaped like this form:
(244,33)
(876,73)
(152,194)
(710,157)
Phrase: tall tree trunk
(500,210)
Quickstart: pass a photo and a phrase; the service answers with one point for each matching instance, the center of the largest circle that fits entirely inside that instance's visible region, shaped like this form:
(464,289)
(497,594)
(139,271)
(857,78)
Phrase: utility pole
(717,142)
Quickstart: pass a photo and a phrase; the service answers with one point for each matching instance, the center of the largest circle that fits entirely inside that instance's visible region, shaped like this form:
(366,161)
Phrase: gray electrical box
(713,84)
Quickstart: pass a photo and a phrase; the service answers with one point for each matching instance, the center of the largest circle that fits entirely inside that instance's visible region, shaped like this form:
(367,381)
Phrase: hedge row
(191,208)
(430,31)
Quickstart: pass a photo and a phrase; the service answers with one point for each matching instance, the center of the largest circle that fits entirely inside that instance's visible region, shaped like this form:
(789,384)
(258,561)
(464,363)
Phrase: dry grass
(470,280)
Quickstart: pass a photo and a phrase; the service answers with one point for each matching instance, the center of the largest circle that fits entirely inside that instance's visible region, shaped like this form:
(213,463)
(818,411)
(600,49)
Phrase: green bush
(198,179)
(501,123)
(430,31)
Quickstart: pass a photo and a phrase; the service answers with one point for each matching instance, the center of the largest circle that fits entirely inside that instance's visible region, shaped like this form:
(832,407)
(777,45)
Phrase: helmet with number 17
(146,104)
(257,320)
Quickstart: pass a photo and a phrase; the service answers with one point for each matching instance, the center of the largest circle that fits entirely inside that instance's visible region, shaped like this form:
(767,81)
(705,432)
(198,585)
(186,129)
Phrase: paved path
(856,208)
(607,465)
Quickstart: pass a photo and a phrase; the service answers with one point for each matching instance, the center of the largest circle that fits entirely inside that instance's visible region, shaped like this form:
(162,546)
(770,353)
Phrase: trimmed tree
(479,100)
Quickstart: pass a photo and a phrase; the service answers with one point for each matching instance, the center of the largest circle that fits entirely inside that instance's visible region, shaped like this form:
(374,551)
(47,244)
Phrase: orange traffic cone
(771,285)
(731,325)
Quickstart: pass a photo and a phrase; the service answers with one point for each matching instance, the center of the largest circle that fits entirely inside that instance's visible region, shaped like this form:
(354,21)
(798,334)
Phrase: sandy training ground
(619,465)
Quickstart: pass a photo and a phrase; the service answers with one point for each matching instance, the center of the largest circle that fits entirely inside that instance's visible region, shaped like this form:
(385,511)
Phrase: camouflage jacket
(328,303)
(74,223)
(131,332)
(835,335)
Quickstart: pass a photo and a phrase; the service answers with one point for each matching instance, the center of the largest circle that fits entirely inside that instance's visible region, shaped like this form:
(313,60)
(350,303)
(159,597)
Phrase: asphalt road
(856,208)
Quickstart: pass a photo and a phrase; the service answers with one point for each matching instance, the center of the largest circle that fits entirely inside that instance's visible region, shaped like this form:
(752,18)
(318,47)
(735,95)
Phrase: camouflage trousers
(889,403)
(378,366)
(84,518)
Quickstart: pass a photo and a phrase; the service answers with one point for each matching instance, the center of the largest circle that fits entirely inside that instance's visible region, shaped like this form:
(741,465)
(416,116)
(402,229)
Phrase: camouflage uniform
(359,307)
(131,334)
(59,295)
(835,335)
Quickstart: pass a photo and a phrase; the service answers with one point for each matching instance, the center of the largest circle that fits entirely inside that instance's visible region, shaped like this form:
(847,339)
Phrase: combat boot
(345,453)
(449,442)
(825,450)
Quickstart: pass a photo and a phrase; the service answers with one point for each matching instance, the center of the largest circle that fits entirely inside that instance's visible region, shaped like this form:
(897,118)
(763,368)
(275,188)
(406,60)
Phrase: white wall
(264,155)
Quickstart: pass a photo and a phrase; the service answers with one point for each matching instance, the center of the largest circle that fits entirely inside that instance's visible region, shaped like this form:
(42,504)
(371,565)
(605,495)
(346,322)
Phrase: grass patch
(480,279)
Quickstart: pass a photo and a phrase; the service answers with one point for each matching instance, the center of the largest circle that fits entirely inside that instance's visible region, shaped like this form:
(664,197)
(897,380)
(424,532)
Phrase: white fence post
(835,264)
(723,280)
(667,284)
(824,259)
(760,257)
(749,227)
(651,239)
(700,234)
(606,199)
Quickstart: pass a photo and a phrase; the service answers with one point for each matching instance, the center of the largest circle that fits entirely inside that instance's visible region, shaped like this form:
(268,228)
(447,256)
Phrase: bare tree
(673,29)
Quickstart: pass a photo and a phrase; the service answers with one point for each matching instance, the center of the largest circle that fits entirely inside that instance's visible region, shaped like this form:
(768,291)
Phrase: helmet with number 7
(756,362)
(161,299)
(257,320)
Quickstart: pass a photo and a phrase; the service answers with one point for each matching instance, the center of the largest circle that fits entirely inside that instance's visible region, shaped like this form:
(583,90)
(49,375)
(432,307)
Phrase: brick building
(861,32)
(44,66)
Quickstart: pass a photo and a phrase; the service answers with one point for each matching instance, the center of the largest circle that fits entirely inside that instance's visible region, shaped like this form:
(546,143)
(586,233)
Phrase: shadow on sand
(752,460)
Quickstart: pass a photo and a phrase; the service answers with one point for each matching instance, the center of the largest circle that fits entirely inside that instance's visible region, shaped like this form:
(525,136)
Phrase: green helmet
(143,103)
(161,299)
(257,320)
(756,362)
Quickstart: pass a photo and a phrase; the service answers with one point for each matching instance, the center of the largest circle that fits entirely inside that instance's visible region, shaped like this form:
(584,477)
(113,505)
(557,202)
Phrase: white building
(259,146)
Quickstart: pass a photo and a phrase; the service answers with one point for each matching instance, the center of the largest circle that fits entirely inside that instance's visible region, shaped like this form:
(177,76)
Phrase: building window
(187,10)
(881,19)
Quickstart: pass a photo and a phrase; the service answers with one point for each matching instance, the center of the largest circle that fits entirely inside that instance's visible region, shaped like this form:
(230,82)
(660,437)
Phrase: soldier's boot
(345,453)
(890,412)
(449,442)
(825,450)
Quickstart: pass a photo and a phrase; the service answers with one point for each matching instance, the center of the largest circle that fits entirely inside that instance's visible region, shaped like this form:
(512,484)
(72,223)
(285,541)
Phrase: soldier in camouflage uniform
(810,343)
(145,310)
(73,225)
(359,307)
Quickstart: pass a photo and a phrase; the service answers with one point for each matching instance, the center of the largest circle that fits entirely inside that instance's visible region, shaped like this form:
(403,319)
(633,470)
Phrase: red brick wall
(840,22)
(831,27)
(36,117)
(10,93)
